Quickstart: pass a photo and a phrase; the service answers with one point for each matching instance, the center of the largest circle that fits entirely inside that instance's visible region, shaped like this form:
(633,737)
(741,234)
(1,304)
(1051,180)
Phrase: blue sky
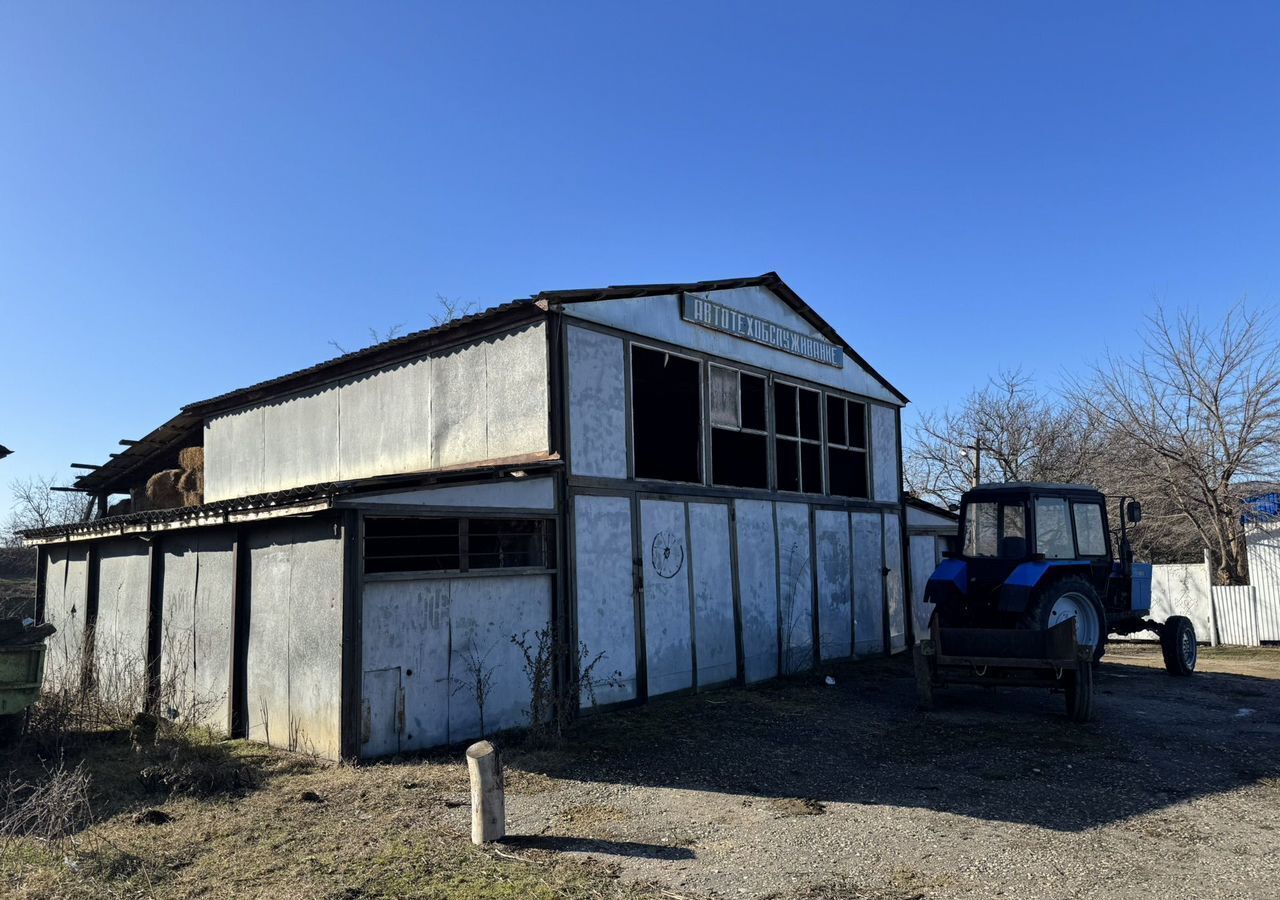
(193,199)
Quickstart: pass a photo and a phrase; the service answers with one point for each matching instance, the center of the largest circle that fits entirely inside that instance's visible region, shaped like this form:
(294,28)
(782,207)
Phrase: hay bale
(191,459)
(137,499)
(120,508)
(191,484)
(162,490)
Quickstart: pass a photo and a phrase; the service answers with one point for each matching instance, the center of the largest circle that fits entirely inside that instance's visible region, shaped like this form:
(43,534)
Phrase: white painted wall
(485,400)
(659,317)
(597,404)
(605,591)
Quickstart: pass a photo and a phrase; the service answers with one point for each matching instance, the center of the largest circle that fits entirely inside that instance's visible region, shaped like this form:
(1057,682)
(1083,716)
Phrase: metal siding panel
(510,493)
(234,455)
(120,634)
(713,593)
(605,589)
(65,612)
(835,592)
(667,638)
(485,614)
(458,392)
(868,585)
(884,454)
(796,586)
(315,639)
(195,650)
(517,407)
(758,584)
(385,421)
(1237,623)
(894,593)
(597,404)
(267,666)
(406,626)
(301,440)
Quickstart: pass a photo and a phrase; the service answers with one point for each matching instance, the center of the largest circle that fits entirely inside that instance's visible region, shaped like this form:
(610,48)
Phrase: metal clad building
(702,482)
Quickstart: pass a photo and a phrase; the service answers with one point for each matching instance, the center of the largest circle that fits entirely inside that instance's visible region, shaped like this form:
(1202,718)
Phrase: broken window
(739,429)
(797,438)
(847,447)
(420,544)
(666,411)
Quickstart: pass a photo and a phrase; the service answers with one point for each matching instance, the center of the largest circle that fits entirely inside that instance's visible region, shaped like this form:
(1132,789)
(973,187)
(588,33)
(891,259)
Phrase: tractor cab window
(1053,529)
(995,530)
(1090,531)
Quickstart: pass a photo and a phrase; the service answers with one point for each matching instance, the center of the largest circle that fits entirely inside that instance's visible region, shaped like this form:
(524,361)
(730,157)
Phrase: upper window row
(817,443)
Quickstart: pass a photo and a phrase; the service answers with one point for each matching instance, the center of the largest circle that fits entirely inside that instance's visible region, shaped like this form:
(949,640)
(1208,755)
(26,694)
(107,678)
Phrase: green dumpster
(21,674)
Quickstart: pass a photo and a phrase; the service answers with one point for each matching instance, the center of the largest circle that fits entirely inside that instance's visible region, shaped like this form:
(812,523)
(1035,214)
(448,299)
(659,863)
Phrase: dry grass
(291,827)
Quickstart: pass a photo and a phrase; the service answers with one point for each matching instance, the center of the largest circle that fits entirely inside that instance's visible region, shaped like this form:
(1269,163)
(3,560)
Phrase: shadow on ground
(1006,755)
(598,846)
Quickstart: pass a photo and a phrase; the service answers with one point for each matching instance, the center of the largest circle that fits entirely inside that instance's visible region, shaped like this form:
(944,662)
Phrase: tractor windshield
(995,529)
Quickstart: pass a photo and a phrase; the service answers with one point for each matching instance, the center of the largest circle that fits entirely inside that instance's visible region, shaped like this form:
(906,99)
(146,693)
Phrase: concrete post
(1213,612)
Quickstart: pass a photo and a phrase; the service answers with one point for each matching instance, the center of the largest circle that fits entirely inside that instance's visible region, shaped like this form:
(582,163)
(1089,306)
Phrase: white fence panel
(1264,575)
(1180,590)
(1267,596)
(1237,621)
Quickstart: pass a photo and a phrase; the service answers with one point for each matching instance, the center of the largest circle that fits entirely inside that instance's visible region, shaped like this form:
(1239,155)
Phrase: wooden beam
(125,442)
(84,466)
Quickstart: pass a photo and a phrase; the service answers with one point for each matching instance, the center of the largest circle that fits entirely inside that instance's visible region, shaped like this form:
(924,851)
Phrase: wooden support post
(488,806)
(1213,613)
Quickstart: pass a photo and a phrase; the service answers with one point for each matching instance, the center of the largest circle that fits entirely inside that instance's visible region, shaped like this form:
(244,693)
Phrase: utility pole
(974,452)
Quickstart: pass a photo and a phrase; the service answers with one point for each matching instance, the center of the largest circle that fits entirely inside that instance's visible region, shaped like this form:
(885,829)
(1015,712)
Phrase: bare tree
(1004,431)
(1195,412)
(37,505)
(450,309)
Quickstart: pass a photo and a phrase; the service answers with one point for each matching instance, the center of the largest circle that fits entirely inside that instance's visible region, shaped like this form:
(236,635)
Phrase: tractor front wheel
(1178,643)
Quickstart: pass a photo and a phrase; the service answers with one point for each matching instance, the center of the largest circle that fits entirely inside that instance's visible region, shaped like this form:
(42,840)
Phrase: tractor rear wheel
(1178,644)
(1070,598)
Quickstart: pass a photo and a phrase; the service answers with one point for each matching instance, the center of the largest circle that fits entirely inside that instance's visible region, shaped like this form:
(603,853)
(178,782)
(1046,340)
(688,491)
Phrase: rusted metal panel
(835,587)
(758,586)
(597,404)
(668,639)
(606,590)
(712,561)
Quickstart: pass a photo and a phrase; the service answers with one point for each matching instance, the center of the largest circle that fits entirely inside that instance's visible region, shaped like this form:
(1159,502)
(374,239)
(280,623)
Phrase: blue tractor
(1033,592)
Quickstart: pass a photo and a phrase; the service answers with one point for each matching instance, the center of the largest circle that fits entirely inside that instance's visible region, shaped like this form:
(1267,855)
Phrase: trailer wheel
(1178,643)
(924,678)
(1079,686)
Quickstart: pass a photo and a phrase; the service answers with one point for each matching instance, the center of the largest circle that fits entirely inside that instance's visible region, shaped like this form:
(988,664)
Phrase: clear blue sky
(193,199)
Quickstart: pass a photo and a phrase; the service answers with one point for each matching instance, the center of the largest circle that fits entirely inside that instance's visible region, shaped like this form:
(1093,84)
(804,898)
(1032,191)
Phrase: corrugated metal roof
(296,496)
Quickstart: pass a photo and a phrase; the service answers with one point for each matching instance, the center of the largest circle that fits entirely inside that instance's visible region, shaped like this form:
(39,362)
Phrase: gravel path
(799,789)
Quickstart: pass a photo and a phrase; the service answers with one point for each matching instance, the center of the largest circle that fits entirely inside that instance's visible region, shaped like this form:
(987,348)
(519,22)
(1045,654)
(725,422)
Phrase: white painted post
(488,805)
(1213,613)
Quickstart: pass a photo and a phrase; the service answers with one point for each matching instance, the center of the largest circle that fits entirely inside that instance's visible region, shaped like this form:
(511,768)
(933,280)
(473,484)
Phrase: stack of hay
(183,486)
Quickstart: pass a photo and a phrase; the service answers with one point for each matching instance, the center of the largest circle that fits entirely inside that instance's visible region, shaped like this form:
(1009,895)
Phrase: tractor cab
(1034,585)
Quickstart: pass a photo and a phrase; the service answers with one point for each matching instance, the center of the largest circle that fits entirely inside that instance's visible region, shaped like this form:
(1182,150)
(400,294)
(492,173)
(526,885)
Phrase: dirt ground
(795,789)
(802,789)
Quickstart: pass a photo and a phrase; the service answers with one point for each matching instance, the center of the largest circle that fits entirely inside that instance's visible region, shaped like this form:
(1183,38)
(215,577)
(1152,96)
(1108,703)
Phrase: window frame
(546,528)
(1103,529)
(712,427)
(798,439)
(828,445)
(704,413)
